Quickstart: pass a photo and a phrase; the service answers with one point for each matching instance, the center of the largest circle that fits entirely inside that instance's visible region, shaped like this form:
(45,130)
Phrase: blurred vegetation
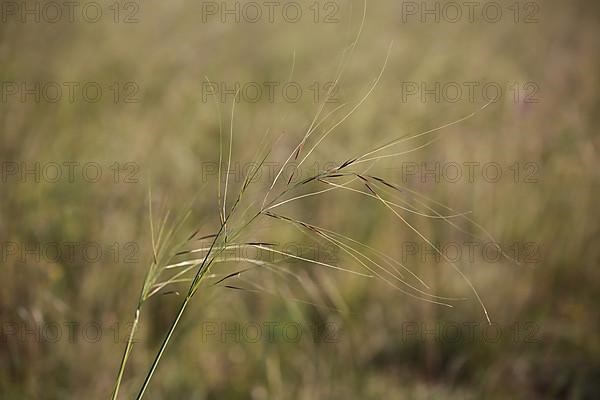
(172,133)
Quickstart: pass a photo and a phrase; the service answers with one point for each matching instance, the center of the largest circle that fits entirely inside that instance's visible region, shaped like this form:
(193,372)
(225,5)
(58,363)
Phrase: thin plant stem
(163,347)
(126,354)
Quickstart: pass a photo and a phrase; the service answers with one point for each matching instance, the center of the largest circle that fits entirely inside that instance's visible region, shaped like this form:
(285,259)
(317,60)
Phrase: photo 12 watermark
(469,91)
(54,12)
(269,91)
(64,332)
(468,332)
(453,12)
(69,252)
(69,92)
(266,171)
(253,12)
(268,332)
(466,172)
(290,252)
(55,172)
(470,252)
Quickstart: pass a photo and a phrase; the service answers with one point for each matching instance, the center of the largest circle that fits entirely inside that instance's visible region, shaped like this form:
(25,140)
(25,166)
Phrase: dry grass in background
(171,132)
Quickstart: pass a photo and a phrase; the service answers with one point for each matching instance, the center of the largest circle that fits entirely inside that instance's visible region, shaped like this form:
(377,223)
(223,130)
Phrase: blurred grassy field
(547,310)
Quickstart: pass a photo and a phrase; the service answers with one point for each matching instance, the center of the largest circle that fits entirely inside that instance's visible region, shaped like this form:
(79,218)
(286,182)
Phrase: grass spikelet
(183,261)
